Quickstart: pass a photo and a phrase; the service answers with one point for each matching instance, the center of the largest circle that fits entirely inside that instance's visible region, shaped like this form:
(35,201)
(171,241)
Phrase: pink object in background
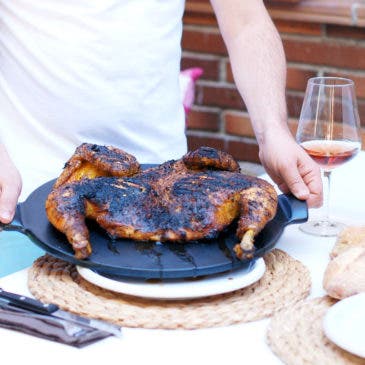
(188,78)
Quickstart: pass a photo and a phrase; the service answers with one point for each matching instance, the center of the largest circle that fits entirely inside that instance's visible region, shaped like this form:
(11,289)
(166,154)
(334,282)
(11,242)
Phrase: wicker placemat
(296,336)
(285,282)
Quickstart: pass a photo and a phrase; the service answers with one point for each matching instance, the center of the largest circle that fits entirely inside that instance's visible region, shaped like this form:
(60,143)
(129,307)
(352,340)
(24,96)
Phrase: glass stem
(326,195)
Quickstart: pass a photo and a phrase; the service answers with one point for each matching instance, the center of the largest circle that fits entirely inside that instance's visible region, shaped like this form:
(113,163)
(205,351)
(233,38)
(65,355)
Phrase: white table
(244,343)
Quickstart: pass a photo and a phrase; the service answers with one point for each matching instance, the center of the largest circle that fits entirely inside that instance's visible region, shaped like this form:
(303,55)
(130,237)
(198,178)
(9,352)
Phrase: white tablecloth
(244,343)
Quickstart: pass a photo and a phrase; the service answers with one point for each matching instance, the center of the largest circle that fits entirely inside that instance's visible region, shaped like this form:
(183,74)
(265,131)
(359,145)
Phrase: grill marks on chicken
(183,200)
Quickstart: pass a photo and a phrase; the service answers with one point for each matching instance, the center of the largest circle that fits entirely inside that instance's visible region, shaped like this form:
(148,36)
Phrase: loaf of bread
(345,273)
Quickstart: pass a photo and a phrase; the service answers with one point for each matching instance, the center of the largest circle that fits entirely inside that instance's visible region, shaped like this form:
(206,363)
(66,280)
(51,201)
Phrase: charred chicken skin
(91,160)
(188,199)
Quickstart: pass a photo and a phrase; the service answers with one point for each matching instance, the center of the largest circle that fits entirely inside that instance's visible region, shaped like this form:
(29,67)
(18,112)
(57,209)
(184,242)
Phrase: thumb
(8,200)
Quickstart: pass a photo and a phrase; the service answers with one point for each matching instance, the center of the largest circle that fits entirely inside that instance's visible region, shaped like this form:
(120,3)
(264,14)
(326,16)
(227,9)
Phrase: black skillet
(151,260)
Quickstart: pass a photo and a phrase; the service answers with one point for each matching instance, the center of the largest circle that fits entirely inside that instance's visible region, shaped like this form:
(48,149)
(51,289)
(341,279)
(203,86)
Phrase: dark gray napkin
(48,327)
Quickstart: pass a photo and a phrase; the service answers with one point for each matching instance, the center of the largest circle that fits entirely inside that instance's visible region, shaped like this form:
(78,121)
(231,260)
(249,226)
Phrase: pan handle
(16,223)
(295,210)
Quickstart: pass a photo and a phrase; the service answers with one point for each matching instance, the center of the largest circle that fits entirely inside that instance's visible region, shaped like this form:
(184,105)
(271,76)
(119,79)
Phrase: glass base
(322,228)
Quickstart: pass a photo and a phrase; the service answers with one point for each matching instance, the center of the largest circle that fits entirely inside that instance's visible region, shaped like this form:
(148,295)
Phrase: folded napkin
(48,327)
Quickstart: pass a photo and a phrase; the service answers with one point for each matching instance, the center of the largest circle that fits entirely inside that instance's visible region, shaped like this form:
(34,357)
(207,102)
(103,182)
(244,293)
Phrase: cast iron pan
(151,260)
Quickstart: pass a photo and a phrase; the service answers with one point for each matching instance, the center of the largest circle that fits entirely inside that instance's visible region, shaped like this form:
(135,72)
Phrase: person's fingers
(10,186)
(283,187)
(278,180)
(295,183)
(288,179)
(312,177)
(314,201)
(294,171)
(8,199)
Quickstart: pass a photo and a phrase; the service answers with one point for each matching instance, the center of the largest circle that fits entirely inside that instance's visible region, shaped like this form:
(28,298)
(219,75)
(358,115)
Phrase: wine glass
(329,131)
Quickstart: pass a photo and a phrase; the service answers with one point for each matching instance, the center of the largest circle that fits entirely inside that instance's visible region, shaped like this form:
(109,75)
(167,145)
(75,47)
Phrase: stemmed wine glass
(329,131)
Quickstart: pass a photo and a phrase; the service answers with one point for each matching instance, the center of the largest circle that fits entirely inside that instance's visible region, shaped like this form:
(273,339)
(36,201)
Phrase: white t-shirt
(98,71)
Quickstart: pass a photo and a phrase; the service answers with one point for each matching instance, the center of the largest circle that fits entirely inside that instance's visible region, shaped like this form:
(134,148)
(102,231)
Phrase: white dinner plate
(180,288)
(344,324)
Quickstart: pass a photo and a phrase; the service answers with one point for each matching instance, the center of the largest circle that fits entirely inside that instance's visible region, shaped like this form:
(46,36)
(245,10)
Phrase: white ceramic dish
(180,288)
(344,324)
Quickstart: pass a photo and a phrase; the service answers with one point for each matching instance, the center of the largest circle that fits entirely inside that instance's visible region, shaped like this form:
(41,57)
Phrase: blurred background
(321,38)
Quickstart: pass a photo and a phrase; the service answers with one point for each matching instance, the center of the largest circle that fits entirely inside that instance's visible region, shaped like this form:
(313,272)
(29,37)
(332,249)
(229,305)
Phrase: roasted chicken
(195,197)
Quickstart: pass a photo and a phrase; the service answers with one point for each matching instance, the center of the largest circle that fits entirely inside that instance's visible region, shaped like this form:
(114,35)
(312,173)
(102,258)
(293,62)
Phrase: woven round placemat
(285,282)
(296,336)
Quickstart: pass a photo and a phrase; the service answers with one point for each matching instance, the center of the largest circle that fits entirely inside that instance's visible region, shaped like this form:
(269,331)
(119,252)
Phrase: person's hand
(10,187)
(291,168)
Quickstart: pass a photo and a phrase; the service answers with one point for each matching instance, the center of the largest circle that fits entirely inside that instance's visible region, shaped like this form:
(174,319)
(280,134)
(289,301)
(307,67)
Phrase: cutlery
(70,328)
(34,305)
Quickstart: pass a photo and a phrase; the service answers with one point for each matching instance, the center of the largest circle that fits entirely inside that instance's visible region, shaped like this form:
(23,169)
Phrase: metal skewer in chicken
(195,197)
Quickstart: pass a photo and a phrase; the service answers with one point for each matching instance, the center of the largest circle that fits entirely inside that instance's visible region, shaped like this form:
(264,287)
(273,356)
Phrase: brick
(244,150)
(294,105)
(198,2)
(203,120)
(361,107)
(281,1)
(312,11)
(295,101)
(203,41)
(313,46)
(315,11)
(341,31)
(210,66)
(360,14)
(329,53)
(293,126)
(219,96)
(296,79)
(359,81)
(196,141)
(293,122)
(199,19)
(238,124)
(229,73)
(295,27)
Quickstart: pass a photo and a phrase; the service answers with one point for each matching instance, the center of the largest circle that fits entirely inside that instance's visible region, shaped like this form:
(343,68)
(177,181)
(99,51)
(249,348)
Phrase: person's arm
(259,68)
(10,186)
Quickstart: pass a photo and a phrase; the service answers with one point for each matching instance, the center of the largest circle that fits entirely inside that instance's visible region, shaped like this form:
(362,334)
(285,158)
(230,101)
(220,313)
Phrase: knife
(37,306)
(71,328)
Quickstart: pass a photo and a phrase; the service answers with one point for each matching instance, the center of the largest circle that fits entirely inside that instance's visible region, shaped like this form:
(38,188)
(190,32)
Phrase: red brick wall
(219,117)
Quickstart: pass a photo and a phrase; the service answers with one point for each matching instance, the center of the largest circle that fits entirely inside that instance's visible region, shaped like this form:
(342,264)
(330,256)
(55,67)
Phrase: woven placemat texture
(296,336)
(285,282)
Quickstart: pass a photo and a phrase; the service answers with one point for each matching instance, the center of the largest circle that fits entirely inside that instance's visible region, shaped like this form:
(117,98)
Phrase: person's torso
(100,71)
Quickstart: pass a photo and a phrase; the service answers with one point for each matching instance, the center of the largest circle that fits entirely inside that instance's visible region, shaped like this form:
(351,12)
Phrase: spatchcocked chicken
(195,197)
